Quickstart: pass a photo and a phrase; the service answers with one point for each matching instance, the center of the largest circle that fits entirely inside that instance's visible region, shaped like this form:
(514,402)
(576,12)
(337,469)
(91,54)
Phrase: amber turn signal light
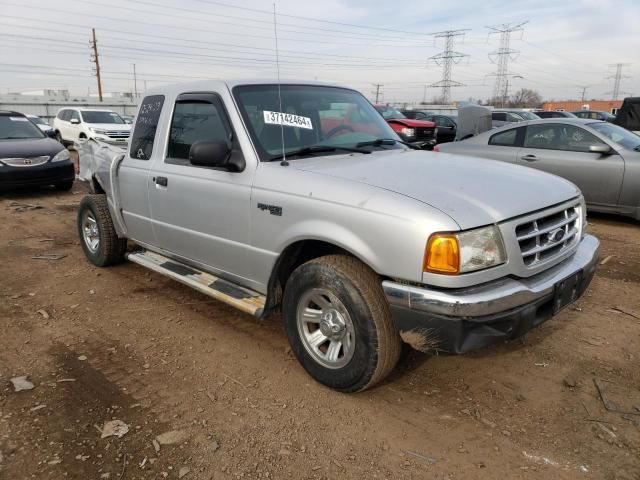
(442,254)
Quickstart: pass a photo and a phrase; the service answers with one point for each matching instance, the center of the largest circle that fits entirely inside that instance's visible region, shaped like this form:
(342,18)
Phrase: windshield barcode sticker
(18,119)
(287,119)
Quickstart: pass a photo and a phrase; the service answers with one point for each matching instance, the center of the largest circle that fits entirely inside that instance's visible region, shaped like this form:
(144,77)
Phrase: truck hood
(472,191)
(408,122)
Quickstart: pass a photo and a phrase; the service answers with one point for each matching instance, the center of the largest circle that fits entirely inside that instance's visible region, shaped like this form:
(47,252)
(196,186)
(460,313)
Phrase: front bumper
(464,319)
(48,173)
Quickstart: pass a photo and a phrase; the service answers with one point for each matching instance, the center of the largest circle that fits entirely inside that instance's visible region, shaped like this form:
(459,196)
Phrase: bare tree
(525,98)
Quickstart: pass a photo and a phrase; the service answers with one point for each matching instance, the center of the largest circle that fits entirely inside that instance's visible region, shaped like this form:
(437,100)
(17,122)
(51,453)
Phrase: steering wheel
(339,128)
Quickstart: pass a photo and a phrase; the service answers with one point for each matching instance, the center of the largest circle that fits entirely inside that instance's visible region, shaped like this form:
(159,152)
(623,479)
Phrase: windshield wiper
(313,149)
(378,142)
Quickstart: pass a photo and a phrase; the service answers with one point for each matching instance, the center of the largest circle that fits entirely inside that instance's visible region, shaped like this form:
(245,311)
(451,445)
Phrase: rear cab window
(144,132)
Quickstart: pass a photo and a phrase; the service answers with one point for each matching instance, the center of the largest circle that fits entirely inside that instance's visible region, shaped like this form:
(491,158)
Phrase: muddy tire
(339,324)
(98,238)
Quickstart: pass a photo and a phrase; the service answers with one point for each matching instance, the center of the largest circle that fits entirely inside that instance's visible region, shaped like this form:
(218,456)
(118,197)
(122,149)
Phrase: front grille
(25,162)
(118,134)
(549,235)
(424,133)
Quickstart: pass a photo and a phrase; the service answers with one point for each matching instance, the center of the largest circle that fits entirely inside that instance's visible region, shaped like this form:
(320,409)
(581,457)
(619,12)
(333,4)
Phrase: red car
(421,133)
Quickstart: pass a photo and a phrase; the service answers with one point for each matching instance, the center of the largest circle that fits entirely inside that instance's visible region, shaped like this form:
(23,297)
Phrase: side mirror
(50,133)
(602,149)
(210,154)
(74,121)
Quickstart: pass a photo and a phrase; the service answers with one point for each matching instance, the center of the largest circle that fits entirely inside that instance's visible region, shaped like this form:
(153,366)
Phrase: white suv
(72,124)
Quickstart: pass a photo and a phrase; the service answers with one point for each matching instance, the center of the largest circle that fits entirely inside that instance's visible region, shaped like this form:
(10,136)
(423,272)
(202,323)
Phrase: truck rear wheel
(98,238)
(339,323)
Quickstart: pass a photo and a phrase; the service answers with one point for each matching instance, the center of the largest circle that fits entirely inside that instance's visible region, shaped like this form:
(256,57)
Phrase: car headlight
(61,155)
(98,131)
(408,132)
(453,253)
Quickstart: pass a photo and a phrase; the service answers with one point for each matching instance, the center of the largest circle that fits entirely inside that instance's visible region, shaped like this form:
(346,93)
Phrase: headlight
(98,131)
(408,132)
(453,253)
(61,155)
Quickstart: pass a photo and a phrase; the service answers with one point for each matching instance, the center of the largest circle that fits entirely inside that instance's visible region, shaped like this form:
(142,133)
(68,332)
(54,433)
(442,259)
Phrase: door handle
(529,158)
(162,181)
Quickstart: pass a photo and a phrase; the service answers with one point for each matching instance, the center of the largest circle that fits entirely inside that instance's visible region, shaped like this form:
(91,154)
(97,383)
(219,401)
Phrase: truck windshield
(311,116)
(101,117)
(18,127)
(390,113)
(617,134)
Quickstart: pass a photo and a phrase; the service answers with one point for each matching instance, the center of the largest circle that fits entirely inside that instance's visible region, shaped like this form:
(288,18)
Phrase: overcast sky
(564,46)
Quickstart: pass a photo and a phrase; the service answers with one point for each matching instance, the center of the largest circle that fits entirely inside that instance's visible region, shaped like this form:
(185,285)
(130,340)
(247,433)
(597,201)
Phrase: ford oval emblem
(556,235)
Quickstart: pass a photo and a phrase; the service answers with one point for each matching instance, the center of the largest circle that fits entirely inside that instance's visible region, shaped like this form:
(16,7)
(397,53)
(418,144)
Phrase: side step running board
(239,297)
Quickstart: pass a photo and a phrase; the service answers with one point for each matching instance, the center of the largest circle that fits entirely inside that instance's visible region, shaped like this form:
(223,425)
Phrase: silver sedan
(602,159)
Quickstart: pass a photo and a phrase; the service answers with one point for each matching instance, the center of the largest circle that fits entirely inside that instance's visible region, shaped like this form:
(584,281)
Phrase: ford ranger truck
(252,193)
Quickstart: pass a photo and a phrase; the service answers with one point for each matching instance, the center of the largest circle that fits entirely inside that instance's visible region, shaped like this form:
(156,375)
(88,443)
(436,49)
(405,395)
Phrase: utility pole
(377,92)
(135,82)
(617,78)
(584,94)
(96,60)
(446,59)
(502,56)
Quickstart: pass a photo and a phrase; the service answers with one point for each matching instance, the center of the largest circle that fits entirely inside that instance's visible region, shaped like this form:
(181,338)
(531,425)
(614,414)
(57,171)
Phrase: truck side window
(144,132)
(195,120)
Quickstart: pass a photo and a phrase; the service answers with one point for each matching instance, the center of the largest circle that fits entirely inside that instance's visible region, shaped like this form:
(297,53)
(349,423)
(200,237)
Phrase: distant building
(610,106)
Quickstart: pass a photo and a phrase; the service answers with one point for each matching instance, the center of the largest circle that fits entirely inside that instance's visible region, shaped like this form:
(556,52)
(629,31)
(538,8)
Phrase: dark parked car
(419,133)
(28,157)
(415,114)
(447,126)
(554,114)
(595,115)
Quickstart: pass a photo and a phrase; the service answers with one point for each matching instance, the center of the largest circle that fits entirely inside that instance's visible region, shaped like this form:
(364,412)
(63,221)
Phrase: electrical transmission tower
(446,59)
(502,56)
(617,78)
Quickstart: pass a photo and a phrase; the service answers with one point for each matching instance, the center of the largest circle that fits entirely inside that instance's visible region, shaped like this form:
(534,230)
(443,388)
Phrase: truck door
(563,150)
(132,185)
(201,214)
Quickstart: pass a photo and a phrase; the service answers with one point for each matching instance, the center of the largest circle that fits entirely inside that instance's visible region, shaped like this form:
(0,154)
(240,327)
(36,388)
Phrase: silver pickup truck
(299,197)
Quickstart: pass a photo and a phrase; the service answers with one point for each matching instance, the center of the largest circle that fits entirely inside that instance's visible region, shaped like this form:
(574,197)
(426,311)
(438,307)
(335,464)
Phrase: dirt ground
(126,344)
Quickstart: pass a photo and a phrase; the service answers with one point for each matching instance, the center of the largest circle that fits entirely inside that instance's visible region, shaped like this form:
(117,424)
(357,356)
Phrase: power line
(315,40)
(446,59)
(298,17)
(502,56)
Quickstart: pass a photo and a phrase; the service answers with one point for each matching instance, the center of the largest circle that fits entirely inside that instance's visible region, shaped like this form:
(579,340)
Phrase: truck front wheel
(98,238)
(339,323)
